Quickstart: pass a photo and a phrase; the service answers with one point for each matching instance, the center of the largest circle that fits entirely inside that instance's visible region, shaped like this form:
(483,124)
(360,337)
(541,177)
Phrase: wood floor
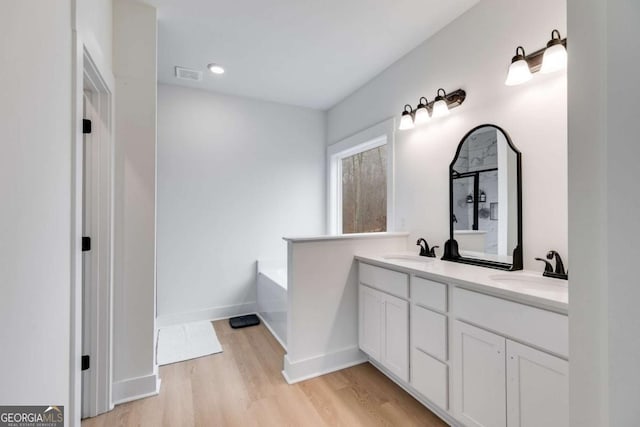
(243,386)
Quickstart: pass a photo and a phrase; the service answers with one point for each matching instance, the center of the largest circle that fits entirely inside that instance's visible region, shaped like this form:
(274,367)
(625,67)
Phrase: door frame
(87,75)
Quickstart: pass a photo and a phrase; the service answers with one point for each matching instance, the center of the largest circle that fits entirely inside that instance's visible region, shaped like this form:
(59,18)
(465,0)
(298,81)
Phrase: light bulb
(215,68)
(422,116)
(440,107)
(406,121)
(554,59)
(519,71)
(422,113)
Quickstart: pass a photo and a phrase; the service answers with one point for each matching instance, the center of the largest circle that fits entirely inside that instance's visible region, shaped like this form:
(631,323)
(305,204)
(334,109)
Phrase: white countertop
(527,287)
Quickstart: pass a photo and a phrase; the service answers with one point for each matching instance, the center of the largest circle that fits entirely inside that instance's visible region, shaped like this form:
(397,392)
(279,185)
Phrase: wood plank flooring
(243,386)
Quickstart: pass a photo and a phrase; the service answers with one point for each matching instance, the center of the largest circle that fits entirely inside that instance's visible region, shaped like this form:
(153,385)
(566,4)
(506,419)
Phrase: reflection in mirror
(485,201)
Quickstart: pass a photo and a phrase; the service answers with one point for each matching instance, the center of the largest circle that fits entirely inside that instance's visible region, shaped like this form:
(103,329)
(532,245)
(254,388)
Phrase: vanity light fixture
(439,107)
(547,60)
(469,198)
(215,68)
(406,121)
(483,197)
(422,113)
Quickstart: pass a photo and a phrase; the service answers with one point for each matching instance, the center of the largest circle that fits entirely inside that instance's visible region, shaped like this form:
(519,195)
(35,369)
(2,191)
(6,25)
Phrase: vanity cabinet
(474,359)
(499,382)
(524,343)
(384,330)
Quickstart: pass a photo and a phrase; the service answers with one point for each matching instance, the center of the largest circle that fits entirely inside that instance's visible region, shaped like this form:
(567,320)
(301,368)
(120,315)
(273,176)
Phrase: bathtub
(272,298)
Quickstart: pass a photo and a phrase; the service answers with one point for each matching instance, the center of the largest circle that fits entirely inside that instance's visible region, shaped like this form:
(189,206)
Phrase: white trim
(136,388)
(372,137)
(100,289)
(211,314)
(96,75)
(75,351)
(301,370)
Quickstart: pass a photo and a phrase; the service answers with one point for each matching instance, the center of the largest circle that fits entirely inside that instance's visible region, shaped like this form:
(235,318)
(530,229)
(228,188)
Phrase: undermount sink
(524,279)
(537,285)
(417,258)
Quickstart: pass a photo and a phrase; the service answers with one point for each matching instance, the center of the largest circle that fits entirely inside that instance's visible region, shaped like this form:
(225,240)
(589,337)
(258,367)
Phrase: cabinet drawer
(389,281)
(429,332)
(542,328)
(429,378)
(429,293)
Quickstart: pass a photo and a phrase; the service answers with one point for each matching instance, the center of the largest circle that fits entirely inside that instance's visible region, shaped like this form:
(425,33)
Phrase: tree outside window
(364,191)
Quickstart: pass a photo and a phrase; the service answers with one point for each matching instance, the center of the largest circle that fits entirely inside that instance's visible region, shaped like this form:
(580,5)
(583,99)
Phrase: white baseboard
(305,369)
(135,388)
(214,313)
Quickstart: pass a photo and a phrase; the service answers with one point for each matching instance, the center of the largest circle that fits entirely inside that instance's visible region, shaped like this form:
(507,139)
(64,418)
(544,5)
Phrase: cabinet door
(479,377)
(537,388)
(370,325)
(395,352)
(429,377)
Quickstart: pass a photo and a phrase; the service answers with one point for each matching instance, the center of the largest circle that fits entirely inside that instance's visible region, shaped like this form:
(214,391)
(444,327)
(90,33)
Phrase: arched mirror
(485,201)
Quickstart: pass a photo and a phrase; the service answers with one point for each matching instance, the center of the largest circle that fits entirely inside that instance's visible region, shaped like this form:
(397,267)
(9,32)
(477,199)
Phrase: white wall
(134,370)
(35,194)
(94,24)
(234,176)
(322,301)
(604,100)
(473,53)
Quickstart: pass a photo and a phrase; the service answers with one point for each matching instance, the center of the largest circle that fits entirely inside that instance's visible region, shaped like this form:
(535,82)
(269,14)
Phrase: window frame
(372,137)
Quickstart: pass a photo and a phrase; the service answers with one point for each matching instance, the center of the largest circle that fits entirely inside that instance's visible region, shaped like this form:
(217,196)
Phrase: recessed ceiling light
(215,68)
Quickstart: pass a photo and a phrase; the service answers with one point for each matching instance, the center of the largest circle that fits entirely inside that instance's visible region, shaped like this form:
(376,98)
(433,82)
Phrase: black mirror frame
(451,252)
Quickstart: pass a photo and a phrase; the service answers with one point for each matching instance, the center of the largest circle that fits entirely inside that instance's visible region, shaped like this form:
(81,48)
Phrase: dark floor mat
(244,321)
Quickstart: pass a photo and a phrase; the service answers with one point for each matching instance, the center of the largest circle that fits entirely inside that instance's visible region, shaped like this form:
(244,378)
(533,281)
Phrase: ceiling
(299,52)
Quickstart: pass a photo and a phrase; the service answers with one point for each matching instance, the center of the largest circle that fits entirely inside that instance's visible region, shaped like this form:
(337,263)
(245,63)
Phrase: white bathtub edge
(268,326)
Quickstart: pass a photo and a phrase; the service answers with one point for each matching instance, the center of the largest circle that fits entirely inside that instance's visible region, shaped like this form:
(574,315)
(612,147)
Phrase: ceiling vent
(188,74)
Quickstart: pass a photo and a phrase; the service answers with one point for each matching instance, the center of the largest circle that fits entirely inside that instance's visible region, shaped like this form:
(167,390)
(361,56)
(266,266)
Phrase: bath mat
(188,341)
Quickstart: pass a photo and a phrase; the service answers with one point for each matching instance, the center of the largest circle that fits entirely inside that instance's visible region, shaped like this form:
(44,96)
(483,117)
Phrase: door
(96,256)
(537,388)
(88,268)
(479,376)
(370,331)
(395,346)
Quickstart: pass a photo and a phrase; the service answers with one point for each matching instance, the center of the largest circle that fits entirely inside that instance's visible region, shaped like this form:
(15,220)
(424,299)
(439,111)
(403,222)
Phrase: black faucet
(424,249)
(559,272)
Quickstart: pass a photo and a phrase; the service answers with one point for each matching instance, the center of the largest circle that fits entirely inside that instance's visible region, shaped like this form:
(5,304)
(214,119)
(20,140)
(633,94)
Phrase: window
(360,181)
(364,191)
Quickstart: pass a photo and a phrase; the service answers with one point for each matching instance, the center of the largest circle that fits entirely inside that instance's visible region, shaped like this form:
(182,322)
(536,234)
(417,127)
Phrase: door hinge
(85,362)
(86,244)
(86,126)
